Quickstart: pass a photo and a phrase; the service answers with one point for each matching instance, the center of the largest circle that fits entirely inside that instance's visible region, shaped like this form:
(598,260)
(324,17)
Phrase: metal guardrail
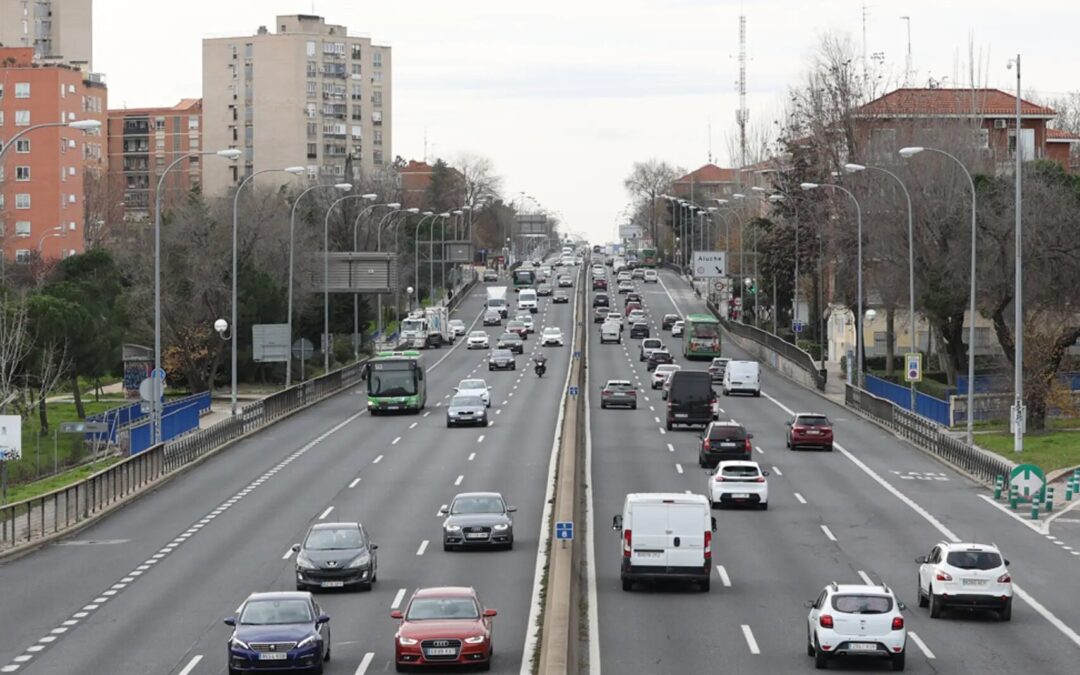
(48,514)
(923,432)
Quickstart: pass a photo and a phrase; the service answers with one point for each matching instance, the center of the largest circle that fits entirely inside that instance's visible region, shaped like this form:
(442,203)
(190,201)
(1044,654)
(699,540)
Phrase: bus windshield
(392,379)
(524,276)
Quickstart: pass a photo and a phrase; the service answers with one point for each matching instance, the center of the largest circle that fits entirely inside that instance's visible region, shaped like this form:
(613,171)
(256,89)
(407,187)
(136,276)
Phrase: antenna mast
(742,114)
(907,66)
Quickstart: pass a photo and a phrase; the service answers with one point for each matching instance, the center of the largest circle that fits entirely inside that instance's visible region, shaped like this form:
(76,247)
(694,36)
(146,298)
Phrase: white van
(666,536)
(742,377)
(527,300)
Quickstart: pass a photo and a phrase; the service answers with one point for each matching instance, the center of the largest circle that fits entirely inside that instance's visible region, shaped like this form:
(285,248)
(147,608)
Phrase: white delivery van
(496,300)
(742,377)
(665,536)
(527,300)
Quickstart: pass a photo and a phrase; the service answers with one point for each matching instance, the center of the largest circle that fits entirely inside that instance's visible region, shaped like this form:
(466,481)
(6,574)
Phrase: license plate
(475,535)
(648,554)
(681,415)
(862,646)
(813,432)
(273,656)
(392,407)
(741,495)
(441,651)
(333,584)
(974,582)
(729,445)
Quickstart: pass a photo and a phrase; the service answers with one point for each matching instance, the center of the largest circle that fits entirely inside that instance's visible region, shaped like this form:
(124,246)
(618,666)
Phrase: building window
(22,200)
(376,137)
(159,123)
(312,69)
(22,118)
(311,48)
(22,173)
(22,228)
(356,53)
(376,77)
(312,89)
(376,59)
(312,150)
(22,90)
(357,113)
(357,92)
(357,68)
(312,130)
(1,118)
(376,99)
(22,255)
(192,123)
(376,157)
(248,50)
(376,118)
(1,91)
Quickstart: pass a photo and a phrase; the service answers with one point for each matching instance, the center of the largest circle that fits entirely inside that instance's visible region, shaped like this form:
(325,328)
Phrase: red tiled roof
(1061,136)
(950,103)
(416,167)
(710,173)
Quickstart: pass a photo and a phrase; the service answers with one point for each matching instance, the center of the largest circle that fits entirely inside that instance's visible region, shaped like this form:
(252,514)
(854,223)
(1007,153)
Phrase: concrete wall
(771,358)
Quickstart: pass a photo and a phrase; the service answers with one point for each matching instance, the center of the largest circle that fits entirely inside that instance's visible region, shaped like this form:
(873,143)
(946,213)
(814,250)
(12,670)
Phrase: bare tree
(646,182)
(16,346)
(478,177)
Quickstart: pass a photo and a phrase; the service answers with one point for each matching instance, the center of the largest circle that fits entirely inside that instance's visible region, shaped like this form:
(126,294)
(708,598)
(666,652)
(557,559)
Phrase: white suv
(855,620)
(965,575)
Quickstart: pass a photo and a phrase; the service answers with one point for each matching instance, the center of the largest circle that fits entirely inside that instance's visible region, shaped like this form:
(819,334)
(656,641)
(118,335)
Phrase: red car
(443,626)
(599,284)
(631,306)
(518,327)
(810,429)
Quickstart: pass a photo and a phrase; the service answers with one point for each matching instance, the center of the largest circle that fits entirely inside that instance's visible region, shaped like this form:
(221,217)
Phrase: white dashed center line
(777,471)
(423,547)
(395,441)
(398,597)
(724,578)
(354,483)
(191,665)
(288,554)
(472,456)
(413,425)
(377,459)
(802,500)
(459,479)
(750,641)
(921,645)
(678,467)
(481,439)
(670,447)
(326,513)
(828,532)
(865,578)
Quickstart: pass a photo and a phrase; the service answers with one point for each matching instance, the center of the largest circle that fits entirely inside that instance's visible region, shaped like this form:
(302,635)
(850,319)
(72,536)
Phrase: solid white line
(395,441)
(1040,527)
(423,547)
(670,447)
(865,578)
(377,460)
(802,500)
(288,554)
(365,663)
(750,641)
(828,532)
(921,645)
(678,467)
(724,578)
(191,665)
(398,597)
(459,479)
(777,471)
(590,550)
(472,456)
(326,512)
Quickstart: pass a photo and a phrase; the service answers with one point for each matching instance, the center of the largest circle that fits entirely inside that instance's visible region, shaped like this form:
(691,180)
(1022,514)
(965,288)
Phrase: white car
(475,388)
(623,275)
(625,287)
(636,316)
(552,335)
(458,326)
(648,346)
(610,332)
(527,319)
(739,482)
(856,620)
(565,282)
(477,339)
(677,328)
(661,373)
(651,277)
(969,576)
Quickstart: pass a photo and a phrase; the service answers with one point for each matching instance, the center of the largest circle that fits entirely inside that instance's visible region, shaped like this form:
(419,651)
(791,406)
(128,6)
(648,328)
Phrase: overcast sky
(564,96)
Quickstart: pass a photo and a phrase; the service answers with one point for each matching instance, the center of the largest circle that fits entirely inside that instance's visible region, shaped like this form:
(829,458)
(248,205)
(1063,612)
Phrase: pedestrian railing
(39,517)
(928,435)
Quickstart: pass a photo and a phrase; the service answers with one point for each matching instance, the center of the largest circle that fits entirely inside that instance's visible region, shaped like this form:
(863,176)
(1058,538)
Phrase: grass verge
(62,479)
(1054,450)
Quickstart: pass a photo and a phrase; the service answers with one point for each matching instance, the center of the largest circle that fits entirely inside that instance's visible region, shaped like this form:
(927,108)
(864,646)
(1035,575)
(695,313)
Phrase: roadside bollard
(1068,491)
(1034,509)
(997,487)
(1049,499)
(1014,497)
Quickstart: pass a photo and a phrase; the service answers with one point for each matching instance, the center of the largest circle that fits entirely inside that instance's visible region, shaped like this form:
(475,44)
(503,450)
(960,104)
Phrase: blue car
(279,631)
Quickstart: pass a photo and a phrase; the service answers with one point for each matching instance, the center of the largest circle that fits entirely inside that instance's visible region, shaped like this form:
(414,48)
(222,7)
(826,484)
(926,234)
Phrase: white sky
(564,96)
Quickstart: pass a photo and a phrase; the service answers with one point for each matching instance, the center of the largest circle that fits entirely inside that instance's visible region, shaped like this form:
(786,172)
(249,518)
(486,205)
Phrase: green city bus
(701,336)
(647,257)
(396,381)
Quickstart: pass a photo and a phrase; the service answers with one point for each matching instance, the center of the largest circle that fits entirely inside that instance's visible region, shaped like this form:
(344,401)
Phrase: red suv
(810,429)
(441,627)
(599,284)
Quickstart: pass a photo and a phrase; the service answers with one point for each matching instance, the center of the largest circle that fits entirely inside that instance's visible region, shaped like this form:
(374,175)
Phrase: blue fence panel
(925,405)
(178,418)
(932,408)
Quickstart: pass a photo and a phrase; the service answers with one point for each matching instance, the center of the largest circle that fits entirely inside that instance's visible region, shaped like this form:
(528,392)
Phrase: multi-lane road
(864,511)
(146,589)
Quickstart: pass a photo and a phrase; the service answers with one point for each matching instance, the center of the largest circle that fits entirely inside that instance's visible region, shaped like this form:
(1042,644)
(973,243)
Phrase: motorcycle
(540,369)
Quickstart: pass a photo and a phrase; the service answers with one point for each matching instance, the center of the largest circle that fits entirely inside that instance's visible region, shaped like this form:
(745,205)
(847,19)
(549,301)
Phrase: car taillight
(943,576)
(605,392)
(627,539)
(825,621)
(708,545)
(898,623)
(747,446)
(1005,579)
(634,394)
(798,429)
(705,445)
(759,479)
(719,478)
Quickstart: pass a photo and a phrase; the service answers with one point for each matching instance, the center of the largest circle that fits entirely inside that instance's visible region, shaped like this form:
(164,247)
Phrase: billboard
(270,342)
(631,232)
(532,224)
(359,272)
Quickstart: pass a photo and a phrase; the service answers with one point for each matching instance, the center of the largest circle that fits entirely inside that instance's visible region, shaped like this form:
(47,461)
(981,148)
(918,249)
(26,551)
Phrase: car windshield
(398,382)
(333,539)
(275,612)
(467,401)
(740,472)
(862,604)
(705,330)
(463,505)
(502,354)
(974,560)
(478,334)
(719,362)
(424,609)
(472,384)
(813,421)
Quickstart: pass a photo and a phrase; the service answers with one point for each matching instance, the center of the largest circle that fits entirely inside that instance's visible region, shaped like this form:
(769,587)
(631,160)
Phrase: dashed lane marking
(326,513)
(865,578)
(423,547)
(354,483)
(678,467)
(459,479)
(921,645)
(398,597)
(750,641)
(191,665)
(802,500)
(828,532)
(724,578)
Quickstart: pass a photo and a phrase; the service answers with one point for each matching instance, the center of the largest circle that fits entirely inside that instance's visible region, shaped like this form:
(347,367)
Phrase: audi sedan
(552,336)
(561,298)
(492,318)
(478,339)
(477,519)
(336,555)
(466,409)
(518,327)
(618,393)
(475,387)
(502,359)
(284,630)
(511,342)
(443,626)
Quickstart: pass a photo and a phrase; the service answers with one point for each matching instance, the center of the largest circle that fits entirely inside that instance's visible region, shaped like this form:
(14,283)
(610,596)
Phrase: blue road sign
(158,374)
(573,390)
(564,530)
(797,327)
(577,355)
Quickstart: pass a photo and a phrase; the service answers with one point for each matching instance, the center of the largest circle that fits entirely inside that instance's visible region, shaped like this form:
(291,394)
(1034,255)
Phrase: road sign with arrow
(1028,479)
(710,264)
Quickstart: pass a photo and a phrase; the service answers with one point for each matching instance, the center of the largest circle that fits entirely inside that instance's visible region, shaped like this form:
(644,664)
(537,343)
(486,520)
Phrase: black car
(560,298)
(601,300)
(511,342)
(466,409)
(723,441)
(639,330)
(477,519)
(668,321)
(690,399)
(631,297)
(336,555)
(502,359)
(658,357)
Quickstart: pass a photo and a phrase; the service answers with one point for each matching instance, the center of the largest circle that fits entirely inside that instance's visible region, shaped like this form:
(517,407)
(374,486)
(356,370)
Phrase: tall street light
(394,207)
(327,347)
(855,168)
(911,152)
(371,196)
(859,274)
(426,215)
(343,187)
(397,256)
(81,125)
(1018,285)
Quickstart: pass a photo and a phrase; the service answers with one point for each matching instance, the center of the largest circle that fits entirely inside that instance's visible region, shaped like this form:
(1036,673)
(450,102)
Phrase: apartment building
(143,142)
(57,30)
(308,94)
(42,192)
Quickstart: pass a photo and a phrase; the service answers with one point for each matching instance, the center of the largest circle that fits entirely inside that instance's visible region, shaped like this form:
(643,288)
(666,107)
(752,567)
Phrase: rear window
(740,472)
(691,387)
(650,342)
(862,604)
(974,560)
(727,433)
(620,386)
(813,421)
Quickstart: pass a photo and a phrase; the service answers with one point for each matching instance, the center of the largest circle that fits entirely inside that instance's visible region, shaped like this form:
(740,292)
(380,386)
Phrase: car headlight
(452,528)
(304,562)
(237,642)
(362,560)
(475,640)
(501,526)
(307,642)
(407,641)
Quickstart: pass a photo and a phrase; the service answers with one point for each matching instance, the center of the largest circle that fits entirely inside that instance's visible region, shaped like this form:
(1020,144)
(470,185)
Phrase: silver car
(477,519)
(466,409)
(336,555)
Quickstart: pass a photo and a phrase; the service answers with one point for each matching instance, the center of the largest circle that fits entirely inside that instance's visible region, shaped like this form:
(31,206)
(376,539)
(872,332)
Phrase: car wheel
(670,426)
(701,461)
(301,587)
(627,585)
(726,392)
(326,657)
(935,604)
(447,547)
(486,665)
(1005,613)
(449,425)
(603,406)
(757,394)
(821,658)
(510,545)
(401,668)
(828,448)
(787,442)
(764,506)
(898,661)
(634,407)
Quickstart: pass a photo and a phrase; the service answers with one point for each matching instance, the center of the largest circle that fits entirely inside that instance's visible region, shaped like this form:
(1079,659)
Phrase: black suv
(601,300)
(668,321)
(658,357)
(639,330)
(724,441)
(690,399)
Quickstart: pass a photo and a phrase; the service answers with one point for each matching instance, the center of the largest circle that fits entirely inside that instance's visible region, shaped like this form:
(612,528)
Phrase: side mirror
(511,509)
(443,509)
(488,613)
(456,389)
(901,605)
(809,604)
(749,435)
(1007,563)
(295,548)
(764,473)
(230,621)
(713,523)
(922,560)
(323,618)
(616,523)
(396,614)
(374,547)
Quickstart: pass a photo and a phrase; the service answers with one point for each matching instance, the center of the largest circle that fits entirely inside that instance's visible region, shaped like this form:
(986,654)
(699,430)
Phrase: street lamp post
(911,152)
(1018,286)
(394,207)
(81,125)
(397,258)
(294,170)
(371,196)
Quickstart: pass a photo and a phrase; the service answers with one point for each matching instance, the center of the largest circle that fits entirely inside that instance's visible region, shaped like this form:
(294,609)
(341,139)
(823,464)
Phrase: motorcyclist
(541,365)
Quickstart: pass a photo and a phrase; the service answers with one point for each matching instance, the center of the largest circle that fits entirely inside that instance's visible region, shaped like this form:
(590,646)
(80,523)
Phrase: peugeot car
(285,630)
(335,555)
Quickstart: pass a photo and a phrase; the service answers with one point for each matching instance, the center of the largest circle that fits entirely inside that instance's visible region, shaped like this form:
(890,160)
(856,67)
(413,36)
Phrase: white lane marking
(413,425)
(423,547)
(662,432)
(472,456)
(395,441)
(802,500)
(750,641)
(724,578)
(377,460)
(288,554)
(446,396)
(438,404)
(777,471)
(9,669)
(505,402)
(499,411)
(670,447)
(354,483)
(365,663)
(657,420)
(1036,527)
(326,512)
(653,410)
(398,597)
(921,645)
(459,479)
(756,447)
(865,578)
(427,413)
(191,665)
(481,439)
(828,532)
(678,467)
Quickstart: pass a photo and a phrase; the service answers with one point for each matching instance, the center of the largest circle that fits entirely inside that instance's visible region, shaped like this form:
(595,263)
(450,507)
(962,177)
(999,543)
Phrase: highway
(864,511)
(145,590)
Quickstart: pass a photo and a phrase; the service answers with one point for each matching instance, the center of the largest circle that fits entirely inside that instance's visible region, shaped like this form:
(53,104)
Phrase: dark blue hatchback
(285,631)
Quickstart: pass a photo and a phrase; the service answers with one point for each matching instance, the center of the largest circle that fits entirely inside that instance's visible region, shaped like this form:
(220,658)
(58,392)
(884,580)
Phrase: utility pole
(742,114)
(1019,414)
(907,63)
